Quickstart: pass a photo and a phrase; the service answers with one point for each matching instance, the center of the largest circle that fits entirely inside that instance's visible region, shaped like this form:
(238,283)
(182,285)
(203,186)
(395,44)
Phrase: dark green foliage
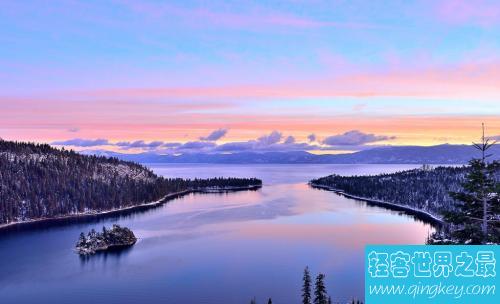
(475,218)
(468,214)
(320,294)
(253,301)
(269,301)
(466,218)
(306,287)
(454,193)
(467,198)
(38,181)
(116,237)
(423,189)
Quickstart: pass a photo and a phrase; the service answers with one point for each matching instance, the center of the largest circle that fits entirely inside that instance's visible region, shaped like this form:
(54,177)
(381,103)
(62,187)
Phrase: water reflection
(127,214)
(102,256)
(211,248)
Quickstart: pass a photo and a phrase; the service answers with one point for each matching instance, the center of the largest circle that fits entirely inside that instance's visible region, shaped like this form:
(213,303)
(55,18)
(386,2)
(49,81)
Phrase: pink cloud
(476,80)
(481,12)
(253,18)
(165,126)
(171,112)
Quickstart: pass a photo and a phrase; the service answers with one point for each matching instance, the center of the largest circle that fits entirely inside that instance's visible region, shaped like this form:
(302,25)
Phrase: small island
(108,239)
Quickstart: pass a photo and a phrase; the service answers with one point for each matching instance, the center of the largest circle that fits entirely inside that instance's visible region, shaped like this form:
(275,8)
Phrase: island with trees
(39,182)
(115,238)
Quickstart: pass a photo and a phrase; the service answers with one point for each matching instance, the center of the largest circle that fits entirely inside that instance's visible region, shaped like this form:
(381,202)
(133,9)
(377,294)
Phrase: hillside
(39,182)
(426,190)
(440,154)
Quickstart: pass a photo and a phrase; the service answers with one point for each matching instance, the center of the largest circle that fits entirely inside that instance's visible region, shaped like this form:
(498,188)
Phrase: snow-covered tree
(306,287)
(320,294)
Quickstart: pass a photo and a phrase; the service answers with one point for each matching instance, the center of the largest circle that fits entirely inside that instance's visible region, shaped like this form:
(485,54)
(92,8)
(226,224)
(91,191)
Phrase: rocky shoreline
(421,214)
(159,202)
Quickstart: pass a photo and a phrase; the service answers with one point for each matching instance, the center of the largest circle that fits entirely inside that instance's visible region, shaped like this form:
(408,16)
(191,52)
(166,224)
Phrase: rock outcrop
(107,239)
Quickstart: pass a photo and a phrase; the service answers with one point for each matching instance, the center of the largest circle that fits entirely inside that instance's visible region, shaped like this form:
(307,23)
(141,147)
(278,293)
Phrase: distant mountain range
(441,154)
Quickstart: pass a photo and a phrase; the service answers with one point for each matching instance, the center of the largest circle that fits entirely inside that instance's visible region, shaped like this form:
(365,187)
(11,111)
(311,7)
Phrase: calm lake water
(213,248)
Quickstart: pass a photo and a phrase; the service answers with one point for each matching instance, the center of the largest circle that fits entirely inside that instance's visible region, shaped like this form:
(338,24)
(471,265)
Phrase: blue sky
(177,70)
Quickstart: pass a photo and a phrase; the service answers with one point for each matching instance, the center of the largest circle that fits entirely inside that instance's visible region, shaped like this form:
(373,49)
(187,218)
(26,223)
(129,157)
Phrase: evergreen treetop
(306,287)
(320,294)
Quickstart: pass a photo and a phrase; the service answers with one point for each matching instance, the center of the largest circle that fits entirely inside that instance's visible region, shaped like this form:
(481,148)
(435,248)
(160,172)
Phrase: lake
(213,248)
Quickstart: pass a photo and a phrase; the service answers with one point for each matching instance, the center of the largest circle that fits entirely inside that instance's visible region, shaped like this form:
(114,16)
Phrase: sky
(227,76)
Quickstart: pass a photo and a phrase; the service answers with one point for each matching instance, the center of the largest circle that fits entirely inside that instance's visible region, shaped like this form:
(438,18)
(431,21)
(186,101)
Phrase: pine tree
(306,287)
(476,217)
(320,294)
(269,301)
(253,301)
(62,182)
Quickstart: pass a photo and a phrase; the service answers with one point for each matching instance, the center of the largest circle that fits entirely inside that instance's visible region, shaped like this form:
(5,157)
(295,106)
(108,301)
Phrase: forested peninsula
(427,190)
(465,200)
(40,182)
